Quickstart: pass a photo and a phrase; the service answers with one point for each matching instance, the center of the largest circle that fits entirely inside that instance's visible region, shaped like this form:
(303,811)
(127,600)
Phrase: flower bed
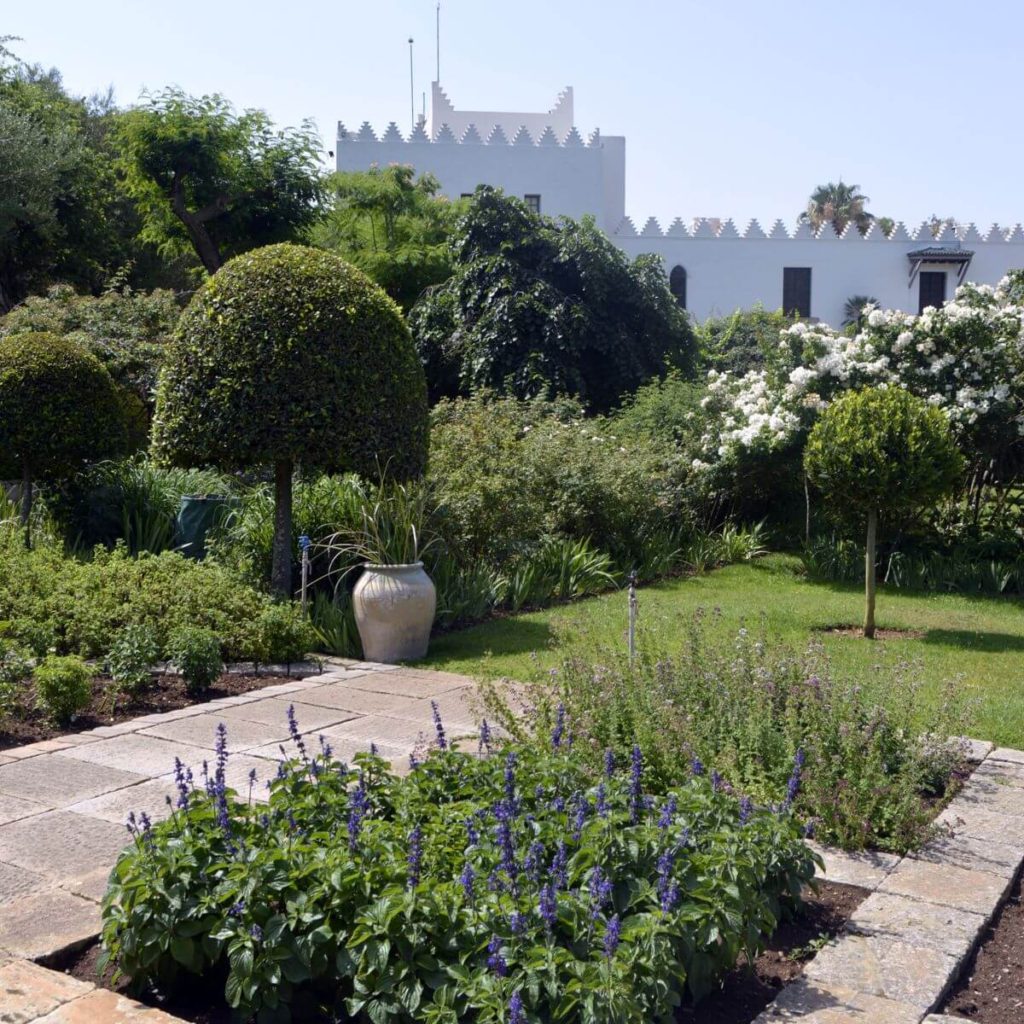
(507,887)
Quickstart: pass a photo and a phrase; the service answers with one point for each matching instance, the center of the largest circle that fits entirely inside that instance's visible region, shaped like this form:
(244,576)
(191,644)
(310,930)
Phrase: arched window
(677,285)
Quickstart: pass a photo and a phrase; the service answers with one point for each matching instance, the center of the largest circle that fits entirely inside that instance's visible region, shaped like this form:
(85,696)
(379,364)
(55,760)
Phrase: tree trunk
(869,576)
(281,571)
(195,223)
(26,504)
(807,511)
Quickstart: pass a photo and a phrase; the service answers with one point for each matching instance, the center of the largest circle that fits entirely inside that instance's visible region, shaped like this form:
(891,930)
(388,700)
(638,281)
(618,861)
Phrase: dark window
(796,291)
(466,195)
(933,289)
(533,202)
(677,285)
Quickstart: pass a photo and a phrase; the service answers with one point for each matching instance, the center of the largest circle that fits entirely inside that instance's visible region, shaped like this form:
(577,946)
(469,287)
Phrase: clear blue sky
(731,109)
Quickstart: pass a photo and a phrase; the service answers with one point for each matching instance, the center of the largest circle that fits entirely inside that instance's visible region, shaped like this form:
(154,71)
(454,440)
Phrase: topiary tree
(59,410)
(289,356)
(881,450)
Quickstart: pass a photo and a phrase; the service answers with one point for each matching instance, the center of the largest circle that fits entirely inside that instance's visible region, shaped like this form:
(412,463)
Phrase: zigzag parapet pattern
(572,140)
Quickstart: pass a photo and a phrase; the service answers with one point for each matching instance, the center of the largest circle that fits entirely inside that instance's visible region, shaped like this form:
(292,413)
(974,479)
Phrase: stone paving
(63,805)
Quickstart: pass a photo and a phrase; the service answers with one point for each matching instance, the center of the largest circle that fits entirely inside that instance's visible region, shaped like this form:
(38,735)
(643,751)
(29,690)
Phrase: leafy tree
(59,411)
(740,341)
(837,204)
(292,357)
(881,450)
(391,225)
(208,179)
(541,307)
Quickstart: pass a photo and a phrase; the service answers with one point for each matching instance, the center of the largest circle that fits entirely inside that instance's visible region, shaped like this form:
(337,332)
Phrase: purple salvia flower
(293,731)
(548,906)
(415,856)
(506,843)
(237,909)
(559,730)
(670,898)
(558,804)
(581,810)
(716,781)
(442,740)
(793,786)
(560,867)
(602,799)
(256,932)
(696,767)
(666,864)
(485,738)
(609,763)
(358,804)
(472,832)
(636,775)
(516,1014)
(496,963)
(467,880)
(517,923)
(533,864)
(809,830)
(414,761)
(325,748)
(612,936)
(510,782)
(373,749)
(746,809)
(668,812)
(600,888)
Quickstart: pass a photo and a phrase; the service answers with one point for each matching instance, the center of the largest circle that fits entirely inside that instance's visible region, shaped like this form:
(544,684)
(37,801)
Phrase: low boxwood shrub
(131,659)
(62,687)
(195,653)
(744,705)
(470,887)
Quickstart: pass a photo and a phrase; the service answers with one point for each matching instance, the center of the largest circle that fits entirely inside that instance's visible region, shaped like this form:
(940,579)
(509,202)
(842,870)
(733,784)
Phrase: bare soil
(745,991)
(991,986)
(165,693)
(880,634)
(750,987)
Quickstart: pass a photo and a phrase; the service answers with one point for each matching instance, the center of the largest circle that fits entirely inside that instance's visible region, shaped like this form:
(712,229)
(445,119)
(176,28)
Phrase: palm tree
(837,203)
(853,310)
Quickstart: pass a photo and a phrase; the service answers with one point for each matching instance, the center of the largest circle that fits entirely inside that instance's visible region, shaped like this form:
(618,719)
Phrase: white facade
(542,158)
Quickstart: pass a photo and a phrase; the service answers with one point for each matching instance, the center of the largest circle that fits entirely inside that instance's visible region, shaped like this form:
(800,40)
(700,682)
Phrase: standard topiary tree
(881,450)
(59,410)
(291,357)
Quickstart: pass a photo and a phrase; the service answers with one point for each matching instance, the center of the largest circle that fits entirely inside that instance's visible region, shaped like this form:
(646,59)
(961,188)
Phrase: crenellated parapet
(802,231)
(472,136)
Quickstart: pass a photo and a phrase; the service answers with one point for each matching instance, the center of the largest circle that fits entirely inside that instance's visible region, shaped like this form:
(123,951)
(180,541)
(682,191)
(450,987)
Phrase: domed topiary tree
(59,410)
(291,357)
(881,451)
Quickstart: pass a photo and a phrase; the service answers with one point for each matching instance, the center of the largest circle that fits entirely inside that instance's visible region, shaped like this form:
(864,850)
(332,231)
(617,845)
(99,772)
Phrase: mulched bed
(991,986)
(744,993)
(749,988)
(167,693)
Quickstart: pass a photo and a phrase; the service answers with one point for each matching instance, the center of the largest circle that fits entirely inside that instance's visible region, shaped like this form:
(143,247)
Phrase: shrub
(467,886)
(284,634)
(881,451)
(741,708)
(15,669)
(62,687)
(131,659)
(195,653)
(289,355)
(59,410)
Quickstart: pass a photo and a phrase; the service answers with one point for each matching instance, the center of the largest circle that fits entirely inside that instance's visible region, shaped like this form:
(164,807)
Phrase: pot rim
(392,565)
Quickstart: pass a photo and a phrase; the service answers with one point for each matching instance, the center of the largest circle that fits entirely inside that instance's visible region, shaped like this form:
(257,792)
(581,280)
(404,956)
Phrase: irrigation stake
(632,616)
(304,544)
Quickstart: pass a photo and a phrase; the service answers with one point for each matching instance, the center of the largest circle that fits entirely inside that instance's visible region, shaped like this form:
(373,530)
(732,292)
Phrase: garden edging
(907,942)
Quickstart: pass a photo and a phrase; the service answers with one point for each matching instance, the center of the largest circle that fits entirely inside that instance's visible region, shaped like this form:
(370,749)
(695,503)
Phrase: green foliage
(743,706)
(290,354)
(539,308)
(50,600)
(560,569)
(285,635)
(195,653)
(126,330)
(333,621)
(59,408)
(392,226)
(882,450)
(355,892)
(136,649)
(742,341)
(62,687)
(208,179)
(15,669)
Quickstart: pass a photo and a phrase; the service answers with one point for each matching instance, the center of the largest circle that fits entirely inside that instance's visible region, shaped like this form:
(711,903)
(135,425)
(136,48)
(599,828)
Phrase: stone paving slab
(1005,773)
(16,882)
(101,1006)
(880,966)
(960,888)
(865,868)
(376,729)
(991,795)
(1000,859)
(812,1004)
(977,750)
(61,845)
(1006,754)
(345,697)
(274,710)
(57,779)
(407,684)
(201,731)
(28,991)
(44,923)
(144,755)
(14,807)
(144,796)
(924,925)
(980,823)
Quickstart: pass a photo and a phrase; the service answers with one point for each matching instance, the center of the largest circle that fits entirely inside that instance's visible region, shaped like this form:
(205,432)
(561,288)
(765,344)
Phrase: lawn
(977,639)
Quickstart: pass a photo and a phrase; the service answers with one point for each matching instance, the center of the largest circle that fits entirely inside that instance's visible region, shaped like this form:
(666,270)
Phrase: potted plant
(394,599)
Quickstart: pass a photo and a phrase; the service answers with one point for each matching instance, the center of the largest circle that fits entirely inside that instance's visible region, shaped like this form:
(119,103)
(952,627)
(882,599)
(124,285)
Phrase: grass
(979,640)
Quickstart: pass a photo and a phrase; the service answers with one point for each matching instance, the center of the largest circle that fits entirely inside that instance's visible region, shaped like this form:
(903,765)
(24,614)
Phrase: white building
(713,267)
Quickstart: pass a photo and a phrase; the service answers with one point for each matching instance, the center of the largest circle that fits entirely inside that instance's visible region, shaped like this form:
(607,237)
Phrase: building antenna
(438,79)
(412,92)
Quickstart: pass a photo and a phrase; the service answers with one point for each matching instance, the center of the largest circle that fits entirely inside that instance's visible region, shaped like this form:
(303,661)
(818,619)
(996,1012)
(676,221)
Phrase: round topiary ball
(291,355)
(59,408)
